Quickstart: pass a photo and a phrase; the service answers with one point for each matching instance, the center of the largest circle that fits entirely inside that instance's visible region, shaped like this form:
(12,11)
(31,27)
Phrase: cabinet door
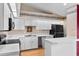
(43,25)
(34,43)
(22,43)
(47,49)
(25,43)
(1,16)
(29,43)
(6,16)
(63,49)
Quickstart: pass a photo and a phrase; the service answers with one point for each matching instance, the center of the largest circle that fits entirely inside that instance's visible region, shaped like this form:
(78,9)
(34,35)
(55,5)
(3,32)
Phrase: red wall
(77,21)
(77,30)
(77,48)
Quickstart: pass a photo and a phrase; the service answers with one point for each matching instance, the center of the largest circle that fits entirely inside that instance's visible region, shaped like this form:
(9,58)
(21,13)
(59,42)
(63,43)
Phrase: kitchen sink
(29,35)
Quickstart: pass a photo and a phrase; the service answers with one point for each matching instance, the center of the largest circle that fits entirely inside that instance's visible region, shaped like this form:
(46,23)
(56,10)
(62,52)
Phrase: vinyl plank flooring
(35,52)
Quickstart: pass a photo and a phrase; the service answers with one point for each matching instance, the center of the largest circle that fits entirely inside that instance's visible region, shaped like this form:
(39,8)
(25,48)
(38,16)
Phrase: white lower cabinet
(34,43)
(43,40)
(60,47)
(28,43)
(9,49)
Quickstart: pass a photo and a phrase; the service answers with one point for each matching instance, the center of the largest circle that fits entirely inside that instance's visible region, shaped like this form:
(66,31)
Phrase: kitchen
(35,27)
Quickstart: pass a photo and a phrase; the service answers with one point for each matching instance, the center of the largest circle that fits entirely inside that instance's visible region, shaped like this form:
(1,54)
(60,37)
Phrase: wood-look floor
(35,52)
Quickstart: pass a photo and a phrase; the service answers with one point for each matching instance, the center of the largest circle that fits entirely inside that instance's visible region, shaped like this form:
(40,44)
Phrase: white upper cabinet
(1,16)
(8,13)
(28,21)
(6,16)
(38,22)
(41,23)
(31,21)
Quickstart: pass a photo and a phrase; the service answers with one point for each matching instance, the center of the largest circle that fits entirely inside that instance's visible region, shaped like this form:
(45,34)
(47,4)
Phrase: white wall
(71,21)
(1,16)
(71,25)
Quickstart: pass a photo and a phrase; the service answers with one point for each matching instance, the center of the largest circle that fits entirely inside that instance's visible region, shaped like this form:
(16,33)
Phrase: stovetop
(13,41)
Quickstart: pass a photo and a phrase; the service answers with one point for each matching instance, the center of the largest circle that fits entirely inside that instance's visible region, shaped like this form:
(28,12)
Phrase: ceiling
(47,8)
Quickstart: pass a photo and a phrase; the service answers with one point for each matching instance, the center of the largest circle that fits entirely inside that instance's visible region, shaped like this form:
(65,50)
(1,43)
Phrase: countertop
(20,33)
(24,35)
(60,40)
